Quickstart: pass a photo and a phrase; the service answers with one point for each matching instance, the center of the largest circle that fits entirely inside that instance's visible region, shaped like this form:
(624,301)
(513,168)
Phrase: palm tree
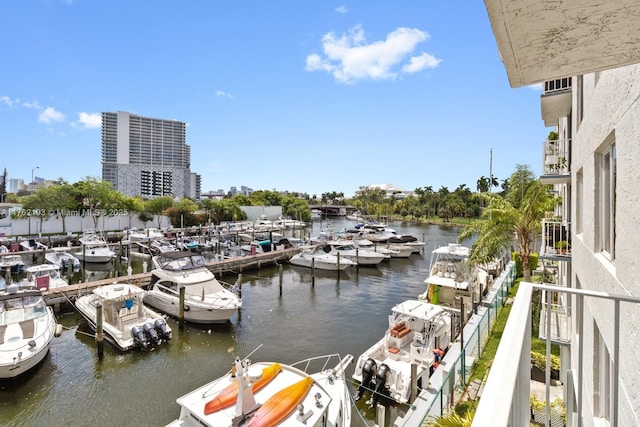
(453,420)
(501,220)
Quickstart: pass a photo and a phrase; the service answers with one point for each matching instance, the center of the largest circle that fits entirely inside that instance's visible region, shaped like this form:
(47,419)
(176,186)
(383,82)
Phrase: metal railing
(505,399)
(556,238)
(557,85)
(555,156)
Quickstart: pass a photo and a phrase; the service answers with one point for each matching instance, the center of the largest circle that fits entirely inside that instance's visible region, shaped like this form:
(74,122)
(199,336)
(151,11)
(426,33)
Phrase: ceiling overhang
(541,40)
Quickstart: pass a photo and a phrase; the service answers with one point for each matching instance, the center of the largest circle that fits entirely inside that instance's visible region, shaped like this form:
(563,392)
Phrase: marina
(285,311)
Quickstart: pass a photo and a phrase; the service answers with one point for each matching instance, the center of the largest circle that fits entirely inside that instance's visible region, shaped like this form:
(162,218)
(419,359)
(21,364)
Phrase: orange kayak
(229,394)
(281,404)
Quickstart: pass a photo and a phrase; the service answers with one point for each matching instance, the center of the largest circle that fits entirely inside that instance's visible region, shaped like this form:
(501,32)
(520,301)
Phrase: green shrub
(540,361)
(533,262)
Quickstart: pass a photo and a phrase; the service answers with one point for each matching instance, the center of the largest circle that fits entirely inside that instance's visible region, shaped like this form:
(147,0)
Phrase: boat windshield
(21,308)
(183,263)
(206,288)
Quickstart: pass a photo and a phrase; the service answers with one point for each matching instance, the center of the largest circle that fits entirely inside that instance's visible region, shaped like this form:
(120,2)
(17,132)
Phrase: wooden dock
(63,294)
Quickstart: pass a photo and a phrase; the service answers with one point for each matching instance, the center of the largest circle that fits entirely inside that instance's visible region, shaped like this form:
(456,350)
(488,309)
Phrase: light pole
(32,171)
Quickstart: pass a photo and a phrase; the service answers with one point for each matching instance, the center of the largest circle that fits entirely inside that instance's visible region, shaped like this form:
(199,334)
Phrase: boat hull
(194,312)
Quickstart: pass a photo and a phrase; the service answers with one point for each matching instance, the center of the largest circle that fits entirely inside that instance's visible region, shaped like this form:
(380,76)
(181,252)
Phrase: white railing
(556,238)
(555,156)
(557,85)
(505,399)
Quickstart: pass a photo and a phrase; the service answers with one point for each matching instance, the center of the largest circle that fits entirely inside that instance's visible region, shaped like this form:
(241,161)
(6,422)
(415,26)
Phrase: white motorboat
(44,277)
(451,277)
(136,235)
(418,334)
(370,246)
(126,322)
(12,262)
(287,223)
(355,216)
(416,245)
(317,257)
(27,327)
(62,259)
(32,245)
(206,299)
(347,249)
(265,394)
(316,214)
(94,247)
(160,246)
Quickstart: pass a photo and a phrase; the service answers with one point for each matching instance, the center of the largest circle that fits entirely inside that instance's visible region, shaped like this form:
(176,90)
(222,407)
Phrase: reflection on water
(300,319)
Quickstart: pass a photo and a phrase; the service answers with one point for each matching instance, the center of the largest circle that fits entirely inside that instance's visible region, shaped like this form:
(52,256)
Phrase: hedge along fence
(533,262)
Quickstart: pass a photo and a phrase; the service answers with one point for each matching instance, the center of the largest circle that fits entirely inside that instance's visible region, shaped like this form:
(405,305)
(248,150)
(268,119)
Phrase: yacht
(206,300)
(318,257)
(309,393)
(94,247)
(62,259)
(136,235)
(126,322)
(418,334)
(27,327)
(14,263)
(44,277)
(347,249)
(32,245)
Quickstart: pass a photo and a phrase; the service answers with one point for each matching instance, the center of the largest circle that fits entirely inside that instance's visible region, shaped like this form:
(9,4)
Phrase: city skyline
(319,98)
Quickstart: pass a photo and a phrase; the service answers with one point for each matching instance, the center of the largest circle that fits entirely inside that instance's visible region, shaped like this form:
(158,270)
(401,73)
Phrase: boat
(44,277)
(126,323)
(416,330)
(287,223)
(27,327)
(316,214)
(355,216)
(136,235)
(265,394)
(32,245)
(14,263)
(62,259)
(347,249)
(317,257)
(370,246)
(94,247)
(206,299)
(452,281)
(160,246)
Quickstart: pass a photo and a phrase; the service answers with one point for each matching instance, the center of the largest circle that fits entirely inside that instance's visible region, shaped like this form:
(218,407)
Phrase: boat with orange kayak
(312,392)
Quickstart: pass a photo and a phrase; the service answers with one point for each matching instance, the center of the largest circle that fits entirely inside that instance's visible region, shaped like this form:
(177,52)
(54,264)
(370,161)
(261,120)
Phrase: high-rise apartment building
(147,156)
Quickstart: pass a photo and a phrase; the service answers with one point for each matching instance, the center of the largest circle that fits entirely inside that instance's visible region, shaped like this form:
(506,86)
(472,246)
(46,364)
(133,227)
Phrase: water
(336,314)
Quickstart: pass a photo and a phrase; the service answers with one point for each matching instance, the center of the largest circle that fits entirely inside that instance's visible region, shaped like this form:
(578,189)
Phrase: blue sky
(308,96)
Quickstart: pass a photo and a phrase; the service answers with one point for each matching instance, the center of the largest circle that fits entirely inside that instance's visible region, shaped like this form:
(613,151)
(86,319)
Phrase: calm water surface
(343,314)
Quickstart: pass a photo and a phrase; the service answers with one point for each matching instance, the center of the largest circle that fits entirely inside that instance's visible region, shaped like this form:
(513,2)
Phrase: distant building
(391,191)
(147,156)
(15,185)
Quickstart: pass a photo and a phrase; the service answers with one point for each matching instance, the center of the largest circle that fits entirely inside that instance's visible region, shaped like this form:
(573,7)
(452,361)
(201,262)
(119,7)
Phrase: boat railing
(325,360)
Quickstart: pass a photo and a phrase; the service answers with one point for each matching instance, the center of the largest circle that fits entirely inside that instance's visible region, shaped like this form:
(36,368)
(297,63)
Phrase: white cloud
(223,94)
(33,104)
(50,115)
(349,58)
(419,63)
(539,87)
(90,120)
(7,101)
(342,9)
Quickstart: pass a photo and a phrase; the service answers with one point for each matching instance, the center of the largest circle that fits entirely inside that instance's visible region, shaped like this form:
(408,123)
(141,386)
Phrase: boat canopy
(180,261)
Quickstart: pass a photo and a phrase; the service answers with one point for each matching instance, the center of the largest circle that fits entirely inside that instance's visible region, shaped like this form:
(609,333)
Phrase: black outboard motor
(151,334)
(382,375)
(368,370)
(139,337)
(162,329)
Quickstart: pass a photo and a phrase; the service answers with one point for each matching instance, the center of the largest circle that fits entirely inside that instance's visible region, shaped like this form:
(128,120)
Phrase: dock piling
(99,335)
(181,309)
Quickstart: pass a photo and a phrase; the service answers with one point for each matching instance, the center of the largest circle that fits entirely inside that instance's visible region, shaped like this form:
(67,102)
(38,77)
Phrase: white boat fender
(58,330)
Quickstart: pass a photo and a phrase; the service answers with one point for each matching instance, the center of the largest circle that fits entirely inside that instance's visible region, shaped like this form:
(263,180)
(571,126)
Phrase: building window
(579,198)
(601,376)
(606,200)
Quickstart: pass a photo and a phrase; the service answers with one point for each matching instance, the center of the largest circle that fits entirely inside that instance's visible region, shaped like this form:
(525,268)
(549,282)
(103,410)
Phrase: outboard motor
(382,375)
(151,334)
(368,370)
(139,337)
(162,329)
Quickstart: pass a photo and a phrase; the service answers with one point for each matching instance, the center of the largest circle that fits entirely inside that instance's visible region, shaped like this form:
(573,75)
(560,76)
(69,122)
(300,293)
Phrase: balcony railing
(555,157)
(505,399)
(556,239)
(557,85)
(555,318)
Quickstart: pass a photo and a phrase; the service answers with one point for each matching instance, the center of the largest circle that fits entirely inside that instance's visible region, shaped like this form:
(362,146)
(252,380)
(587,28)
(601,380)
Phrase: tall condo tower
(147,156)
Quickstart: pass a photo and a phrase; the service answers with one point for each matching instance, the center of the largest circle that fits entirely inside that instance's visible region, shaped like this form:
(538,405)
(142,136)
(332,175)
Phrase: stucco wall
(611,112)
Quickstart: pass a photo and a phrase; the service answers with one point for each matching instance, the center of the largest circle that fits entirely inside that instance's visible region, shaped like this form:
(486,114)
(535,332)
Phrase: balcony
(556,162)
(555,101)
(556,236)
(505,398)
(555,318)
